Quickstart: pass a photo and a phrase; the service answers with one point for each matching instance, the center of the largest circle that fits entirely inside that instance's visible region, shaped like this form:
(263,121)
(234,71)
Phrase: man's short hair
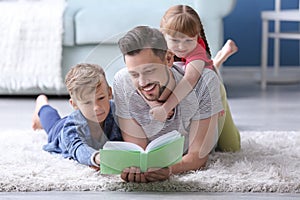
(143,37)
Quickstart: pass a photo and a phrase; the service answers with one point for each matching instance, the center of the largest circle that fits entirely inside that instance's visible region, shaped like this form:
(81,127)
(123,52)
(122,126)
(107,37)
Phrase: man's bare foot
(227,50)
(41,100)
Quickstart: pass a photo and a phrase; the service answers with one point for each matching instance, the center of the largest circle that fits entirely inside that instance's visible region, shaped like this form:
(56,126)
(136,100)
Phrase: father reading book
(149,77)
(162,152)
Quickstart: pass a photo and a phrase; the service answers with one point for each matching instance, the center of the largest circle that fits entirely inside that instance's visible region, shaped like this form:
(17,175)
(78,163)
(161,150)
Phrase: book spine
(143,161)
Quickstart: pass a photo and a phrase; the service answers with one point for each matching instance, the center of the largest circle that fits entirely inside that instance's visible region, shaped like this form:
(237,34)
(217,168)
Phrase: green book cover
(164,151)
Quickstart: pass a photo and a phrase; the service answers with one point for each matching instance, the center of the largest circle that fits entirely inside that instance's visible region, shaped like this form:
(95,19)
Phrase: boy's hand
(95,168)
(97,158)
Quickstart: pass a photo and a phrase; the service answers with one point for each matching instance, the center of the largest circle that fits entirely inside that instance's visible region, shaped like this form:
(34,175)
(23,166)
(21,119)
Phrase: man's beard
(161,88)
(152,97)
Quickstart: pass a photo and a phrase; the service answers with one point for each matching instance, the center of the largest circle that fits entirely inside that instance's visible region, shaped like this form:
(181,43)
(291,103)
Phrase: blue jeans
(51,121)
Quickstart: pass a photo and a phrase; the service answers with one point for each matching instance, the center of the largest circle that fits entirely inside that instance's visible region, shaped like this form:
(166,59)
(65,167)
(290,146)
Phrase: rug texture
(268,162)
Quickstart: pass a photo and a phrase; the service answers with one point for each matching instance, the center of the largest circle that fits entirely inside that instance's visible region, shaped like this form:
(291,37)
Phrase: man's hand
(158,174)
(133,174)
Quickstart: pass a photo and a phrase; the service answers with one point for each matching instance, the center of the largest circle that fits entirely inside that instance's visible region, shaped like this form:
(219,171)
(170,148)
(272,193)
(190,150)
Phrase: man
(148,81)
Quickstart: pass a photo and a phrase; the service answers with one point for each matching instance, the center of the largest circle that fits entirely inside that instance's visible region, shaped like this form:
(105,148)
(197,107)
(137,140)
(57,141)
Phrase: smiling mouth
(148,87)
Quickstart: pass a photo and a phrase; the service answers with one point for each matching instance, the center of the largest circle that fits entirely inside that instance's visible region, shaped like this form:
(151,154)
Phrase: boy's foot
(41,100)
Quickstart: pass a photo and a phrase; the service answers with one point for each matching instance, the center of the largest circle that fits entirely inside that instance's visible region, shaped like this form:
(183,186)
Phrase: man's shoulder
(122,73)
(208,72)
(122,80)
(208,83)
(209,75)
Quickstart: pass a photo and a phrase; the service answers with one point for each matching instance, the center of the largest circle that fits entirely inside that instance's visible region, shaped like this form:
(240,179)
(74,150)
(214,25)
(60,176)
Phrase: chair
(278,15)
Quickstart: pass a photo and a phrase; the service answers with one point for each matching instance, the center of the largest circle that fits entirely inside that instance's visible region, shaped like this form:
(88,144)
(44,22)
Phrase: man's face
(148,72)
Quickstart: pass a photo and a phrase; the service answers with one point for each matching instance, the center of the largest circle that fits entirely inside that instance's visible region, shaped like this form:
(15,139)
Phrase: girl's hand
(159,113)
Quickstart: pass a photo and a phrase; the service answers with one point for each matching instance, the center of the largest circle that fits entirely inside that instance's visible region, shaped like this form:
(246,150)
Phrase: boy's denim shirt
(75,141)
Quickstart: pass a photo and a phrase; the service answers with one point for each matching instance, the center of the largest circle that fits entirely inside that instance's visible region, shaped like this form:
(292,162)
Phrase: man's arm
(202,140)
(132,132)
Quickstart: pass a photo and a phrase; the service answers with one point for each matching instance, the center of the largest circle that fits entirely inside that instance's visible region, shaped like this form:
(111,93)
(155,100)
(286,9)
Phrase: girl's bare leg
(41,100)
(227,50)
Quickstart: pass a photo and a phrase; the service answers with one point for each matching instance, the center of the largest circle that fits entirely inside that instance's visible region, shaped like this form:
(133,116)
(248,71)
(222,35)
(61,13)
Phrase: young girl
(185,37)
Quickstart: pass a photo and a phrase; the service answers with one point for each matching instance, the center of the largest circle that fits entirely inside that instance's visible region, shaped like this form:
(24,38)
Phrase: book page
(124,146)
(164,139)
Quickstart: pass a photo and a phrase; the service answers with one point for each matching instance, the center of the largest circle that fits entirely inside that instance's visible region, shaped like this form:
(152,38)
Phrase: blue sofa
(93,27)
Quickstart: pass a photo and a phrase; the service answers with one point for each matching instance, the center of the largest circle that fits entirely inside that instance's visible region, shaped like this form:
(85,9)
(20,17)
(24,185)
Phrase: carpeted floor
(268,162)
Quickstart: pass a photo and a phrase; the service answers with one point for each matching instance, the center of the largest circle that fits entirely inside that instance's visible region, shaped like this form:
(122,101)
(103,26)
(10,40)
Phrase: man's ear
(170,58)
(73,104)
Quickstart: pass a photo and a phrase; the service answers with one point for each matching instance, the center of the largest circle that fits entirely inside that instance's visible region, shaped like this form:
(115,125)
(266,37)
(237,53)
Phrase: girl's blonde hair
(182,19)
(83,79)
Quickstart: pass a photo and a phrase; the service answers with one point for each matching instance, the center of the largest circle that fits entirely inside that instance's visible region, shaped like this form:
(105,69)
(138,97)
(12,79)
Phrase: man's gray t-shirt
(201,103)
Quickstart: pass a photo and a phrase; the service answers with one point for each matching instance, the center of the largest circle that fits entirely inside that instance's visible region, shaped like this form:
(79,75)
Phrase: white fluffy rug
(268,162)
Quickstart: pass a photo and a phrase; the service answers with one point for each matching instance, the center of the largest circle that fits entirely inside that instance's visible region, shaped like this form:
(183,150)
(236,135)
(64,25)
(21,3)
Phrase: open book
(164,151)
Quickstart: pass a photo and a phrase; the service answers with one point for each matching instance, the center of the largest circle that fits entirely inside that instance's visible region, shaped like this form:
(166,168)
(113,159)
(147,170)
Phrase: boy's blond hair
(83,79)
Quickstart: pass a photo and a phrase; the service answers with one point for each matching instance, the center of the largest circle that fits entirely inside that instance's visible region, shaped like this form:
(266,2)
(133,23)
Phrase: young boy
(81,134)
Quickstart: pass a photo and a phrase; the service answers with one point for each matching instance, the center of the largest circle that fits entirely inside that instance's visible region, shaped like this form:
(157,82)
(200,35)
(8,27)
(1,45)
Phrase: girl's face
(181,46)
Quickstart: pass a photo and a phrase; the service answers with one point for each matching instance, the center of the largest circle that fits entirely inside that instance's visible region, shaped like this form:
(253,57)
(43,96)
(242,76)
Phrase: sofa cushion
(105,21)
(108,20)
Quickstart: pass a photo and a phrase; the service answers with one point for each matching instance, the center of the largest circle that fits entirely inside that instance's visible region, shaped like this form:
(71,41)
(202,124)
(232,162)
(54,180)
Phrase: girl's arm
(184,87)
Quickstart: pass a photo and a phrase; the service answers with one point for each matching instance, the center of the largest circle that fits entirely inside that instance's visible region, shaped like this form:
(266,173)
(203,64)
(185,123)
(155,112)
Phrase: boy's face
(148,72)
(182,45)
(96,106)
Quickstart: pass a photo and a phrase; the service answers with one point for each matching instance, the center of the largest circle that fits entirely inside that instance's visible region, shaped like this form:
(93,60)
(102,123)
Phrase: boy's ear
(73,104)
(170,58)
(110,96)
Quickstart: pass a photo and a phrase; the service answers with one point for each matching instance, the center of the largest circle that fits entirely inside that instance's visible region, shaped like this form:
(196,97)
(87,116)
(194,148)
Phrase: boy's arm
(184,87)
(78,150)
